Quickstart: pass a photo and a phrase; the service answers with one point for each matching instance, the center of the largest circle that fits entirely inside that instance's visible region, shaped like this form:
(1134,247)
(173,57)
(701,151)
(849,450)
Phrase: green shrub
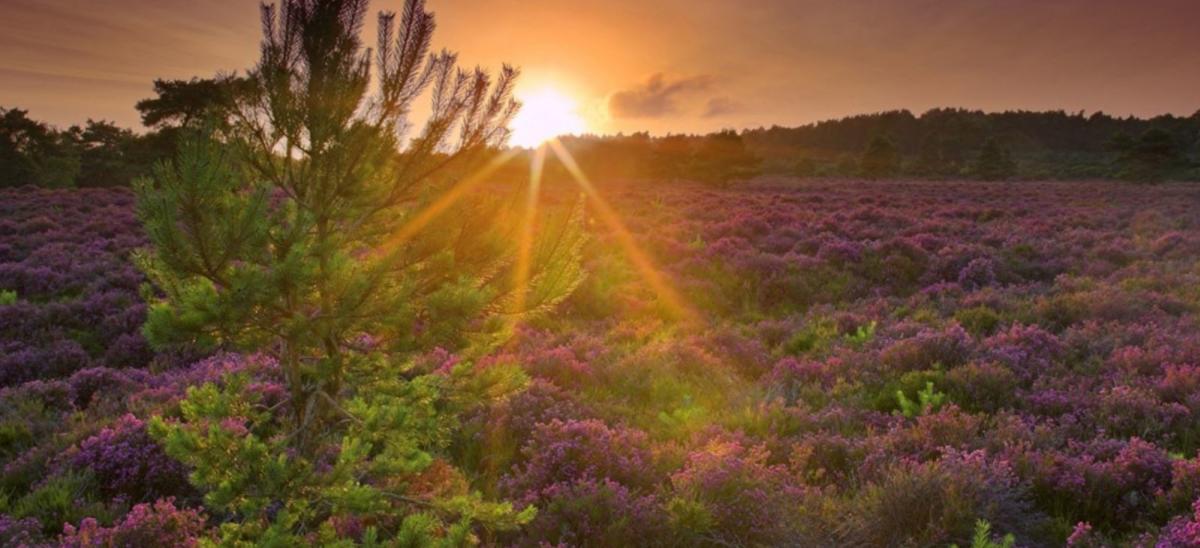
(979,321)
(928,401)
(66,498)
(983,537)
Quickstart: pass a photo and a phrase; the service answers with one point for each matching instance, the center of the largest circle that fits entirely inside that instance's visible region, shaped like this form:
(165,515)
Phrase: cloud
(720,106)
(655,98)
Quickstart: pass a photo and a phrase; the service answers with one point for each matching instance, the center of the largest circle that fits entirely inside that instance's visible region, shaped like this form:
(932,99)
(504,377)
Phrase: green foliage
(979,320)
(931,160)
(880,159)
(32,153)
(928,401)
(1149,158)
(994,162)
(814,337)
(309,232)
(240,454)
(7,297)
(861,335)
(723,158)
(65,498)
(983,537)
(186,103)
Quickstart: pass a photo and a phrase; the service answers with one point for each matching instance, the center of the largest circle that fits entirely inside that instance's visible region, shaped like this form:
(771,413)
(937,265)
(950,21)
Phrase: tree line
(939,144)
(960,143)
(100,153)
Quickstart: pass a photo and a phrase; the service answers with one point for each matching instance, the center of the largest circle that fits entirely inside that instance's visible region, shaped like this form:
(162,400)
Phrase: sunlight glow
(525,239)
(422,218)
(545,114)
(641,261)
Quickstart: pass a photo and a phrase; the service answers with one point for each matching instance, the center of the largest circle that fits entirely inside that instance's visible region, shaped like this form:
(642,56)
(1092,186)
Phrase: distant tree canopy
(183,103)
(939,144)
(1151,157)
(102,154)
(722,157)
(952,143)
(880,159)
(994,162)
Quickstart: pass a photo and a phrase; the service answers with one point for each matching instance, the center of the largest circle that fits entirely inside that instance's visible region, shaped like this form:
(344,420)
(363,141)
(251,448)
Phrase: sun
(544,114)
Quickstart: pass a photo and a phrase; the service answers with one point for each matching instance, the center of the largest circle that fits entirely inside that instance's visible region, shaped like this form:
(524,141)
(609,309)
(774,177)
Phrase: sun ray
(420,220)
(521,272)
(641,261)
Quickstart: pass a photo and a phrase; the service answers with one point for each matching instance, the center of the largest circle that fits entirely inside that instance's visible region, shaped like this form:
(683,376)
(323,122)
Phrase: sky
(663,65)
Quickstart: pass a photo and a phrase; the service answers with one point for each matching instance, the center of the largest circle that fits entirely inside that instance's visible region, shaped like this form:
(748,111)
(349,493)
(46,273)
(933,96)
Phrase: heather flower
(125,460)
(743,499)
(948,347)
(567,451)
(982,386)
(1082,536)
(110,383)
(1183,532)
(1104,482)
(15,532)
(1179,383)
(938,502)
(157,524)
(790,377)
(1185,484)
(591,512)
(978,273)
(1026,349)
(541,402)
(558,364)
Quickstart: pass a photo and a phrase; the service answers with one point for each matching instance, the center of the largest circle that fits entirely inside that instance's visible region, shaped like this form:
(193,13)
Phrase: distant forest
(970,143)
(939,144)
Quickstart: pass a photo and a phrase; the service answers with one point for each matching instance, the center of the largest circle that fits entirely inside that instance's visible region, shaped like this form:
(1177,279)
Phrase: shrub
(727,493)
(982,386)
(591,512)
(61,499)
(1182,532)
(938,503)
(948,347)
(983,537)
(1026,349)
(978,273)
(928,400)
(1106,483)
(160,523)
(567,451)
(126,461)
(20,532)
(978,320)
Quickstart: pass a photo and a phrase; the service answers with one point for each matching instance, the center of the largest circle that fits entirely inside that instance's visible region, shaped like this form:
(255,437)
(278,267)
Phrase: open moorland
(840,363)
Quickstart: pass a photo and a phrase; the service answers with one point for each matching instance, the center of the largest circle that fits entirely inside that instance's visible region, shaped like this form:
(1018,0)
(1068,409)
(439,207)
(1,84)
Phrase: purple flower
(125,460)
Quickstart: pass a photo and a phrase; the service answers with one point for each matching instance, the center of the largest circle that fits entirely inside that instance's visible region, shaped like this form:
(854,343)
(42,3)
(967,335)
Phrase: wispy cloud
(657,97)
(720,106)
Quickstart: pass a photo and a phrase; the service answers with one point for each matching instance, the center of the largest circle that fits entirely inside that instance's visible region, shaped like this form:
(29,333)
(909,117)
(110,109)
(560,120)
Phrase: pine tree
(305,230)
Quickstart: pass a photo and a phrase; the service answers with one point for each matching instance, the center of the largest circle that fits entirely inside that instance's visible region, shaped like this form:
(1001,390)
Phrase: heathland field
(800,362)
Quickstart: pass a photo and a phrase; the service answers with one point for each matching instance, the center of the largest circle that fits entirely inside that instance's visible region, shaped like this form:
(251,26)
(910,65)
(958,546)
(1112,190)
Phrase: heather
(73,297)
(872,361)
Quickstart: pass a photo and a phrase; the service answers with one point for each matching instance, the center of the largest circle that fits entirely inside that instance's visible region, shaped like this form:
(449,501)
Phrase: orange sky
(665,65)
